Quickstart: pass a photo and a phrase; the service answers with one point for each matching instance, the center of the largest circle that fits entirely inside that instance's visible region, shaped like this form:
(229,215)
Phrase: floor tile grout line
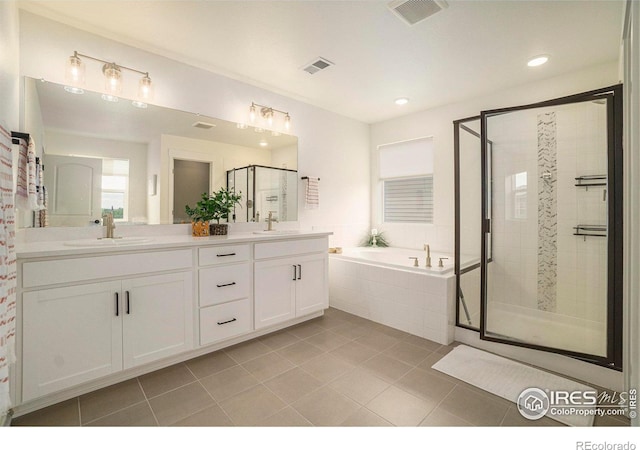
(153,413)
(117,411)
(79,411)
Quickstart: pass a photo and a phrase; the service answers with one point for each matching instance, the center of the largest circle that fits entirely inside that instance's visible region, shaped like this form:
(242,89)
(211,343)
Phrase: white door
(157,317)
(74,186)
(70,335)
(274,284)
(312,292)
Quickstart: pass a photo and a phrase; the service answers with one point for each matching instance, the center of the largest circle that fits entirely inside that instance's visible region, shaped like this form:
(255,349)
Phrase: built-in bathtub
(381,284)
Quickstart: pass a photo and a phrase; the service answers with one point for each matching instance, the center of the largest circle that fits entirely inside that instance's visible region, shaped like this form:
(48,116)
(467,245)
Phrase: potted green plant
(200,215)
(212,207)
(222,203)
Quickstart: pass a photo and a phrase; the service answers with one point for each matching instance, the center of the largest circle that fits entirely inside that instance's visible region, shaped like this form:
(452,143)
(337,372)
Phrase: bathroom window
(516,196)
(406,172)
(115,188)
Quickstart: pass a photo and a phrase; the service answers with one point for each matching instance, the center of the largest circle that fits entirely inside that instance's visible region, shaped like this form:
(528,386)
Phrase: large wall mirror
(146,164)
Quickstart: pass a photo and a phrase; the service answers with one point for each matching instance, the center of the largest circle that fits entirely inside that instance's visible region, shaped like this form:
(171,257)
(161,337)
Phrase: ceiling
(468,49)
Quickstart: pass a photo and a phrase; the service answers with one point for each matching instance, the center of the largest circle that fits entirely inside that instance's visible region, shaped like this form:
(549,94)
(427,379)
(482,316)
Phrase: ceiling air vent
(203,125)
(317,65)
(414,11)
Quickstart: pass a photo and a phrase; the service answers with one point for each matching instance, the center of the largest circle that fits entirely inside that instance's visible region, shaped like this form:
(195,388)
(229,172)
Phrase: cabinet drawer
(290,248)
(43,273)
(223,254)
(224,283)
(220,322)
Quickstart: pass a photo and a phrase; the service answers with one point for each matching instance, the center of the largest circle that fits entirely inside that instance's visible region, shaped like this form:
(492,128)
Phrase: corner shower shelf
(590,230)
(591,180)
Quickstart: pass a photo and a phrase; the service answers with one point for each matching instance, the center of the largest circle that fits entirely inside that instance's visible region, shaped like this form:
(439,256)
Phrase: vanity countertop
(62,248)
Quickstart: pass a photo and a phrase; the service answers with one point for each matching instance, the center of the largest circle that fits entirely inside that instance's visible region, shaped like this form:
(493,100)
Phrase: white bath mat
(508,379)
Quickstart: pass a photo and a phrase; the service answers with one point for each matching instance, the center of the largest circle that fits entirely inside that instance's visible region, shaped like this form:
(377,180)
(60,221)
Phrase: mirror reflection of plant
(216,206)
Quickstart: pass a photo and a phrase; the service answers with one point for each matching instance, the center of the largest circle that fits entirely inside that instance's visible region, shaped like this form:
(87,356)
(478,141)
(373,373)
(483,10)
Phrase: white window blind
(409,200)
(406,159)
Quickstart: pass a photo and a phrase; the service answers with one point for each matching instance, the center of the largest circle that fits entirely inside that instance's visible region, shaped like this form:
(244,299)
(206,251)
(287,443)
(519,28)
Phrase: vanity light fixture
(538,61)
(113,79)
(268,114)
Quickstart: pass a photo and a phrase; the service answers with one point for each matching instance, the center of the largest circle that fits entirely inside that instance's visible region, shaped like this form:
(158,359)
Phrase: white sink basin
(276,232)
(107,242)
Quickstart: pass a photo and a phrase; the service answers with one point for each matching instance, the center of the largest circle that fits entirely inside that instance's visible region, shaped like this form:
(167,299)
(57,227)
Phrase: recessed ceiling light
(402,101)
(241,126)
(139,104)
(109,98)
(263,143)
(538,61)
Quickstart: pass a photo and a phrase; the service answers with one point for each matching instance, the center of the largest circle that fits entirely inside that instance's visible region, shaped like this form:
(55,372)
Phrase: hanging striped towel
(7,269)
(26,194)
(312,193)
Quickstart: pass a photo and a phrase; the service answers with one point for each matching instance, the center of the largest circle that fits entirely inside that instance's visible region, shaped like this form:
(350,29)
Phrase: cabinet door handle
(228,284)
(128,303)
(299,272)
(294,272)
(117,304)
(228,321)
(226,254)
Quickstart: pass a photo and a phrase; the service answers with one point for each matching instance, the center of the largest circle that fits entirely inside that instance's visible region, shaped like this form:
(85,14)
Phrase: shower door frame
(613,94)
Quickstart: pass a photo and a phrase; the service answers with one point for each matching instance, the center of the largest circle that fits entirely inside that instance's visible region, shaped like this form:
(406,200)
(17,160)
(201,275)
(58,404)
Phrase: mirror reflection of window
(516,196)
(115,188)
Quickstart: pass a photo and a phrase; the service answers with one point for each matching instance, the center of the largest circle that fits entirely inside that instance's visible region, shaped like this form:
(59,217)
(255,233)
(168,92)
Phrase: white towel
(26,194)
(312,193)
(7,269)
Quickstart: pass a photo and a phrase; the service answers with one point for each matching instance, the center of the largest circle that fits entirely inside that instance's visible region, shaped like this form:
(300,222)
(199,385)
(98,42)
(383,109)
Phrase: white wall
(65,144)
(437,122)
(330,146)
(9,81)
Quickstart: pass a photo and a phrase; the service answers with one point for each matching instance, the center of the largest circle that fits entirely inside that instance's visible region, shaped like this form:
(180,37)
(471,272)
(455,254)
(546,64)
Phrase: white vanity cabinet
(290,280)
(224,292)
(78,333)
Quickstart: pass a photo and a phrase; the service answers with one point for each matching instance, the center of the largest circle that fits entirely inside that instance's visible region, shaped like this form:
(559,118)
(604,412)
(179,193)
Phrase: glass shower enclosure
(538,225)
(264,189)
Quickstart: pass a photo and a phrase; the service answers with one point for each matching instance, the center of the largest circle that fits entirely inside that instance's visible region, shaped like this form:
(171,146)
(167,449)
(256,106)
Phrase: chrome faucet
(270,221)
(108,223)
(426,247)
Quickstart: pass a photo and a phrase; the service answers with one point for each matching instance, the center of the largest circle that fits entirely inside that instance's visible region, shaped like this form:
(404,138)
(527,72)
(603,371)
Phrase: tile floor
(336,370)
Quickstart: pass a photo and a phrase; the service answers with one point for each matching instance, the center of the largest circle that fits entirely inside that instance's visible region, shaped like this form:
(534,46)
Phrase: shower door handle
(487,225)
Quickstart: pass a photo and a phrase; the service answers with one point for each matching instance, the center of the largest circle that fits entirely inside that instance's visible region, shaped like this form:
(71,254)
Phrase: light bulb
(252,113)
(270,119)
(75,71)
(113,78)
(287,122)
(145,89)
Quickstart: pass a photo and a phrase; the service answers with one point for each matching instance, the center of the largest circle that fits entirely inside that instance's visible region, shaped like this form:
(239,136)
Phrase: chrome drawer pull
(226,254)
(228,284)
(228,321)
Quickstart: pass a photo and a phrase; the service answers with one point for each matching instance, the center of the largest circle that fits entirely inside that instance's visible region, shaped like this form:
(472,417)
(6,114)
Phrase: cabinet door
(157,317)
(70,335)
(312,292)
(274,291)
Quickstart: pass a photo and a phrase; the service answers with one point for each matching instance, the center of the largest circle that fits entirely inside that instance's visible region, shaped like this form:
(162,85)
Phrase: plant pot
(218,229)
(199,229)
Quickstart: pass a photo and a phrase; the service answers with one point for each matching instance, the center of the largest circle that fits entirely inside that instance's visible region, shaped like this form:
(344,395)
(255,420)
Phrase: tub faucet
(440,262)
(426,247)
(107,221)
